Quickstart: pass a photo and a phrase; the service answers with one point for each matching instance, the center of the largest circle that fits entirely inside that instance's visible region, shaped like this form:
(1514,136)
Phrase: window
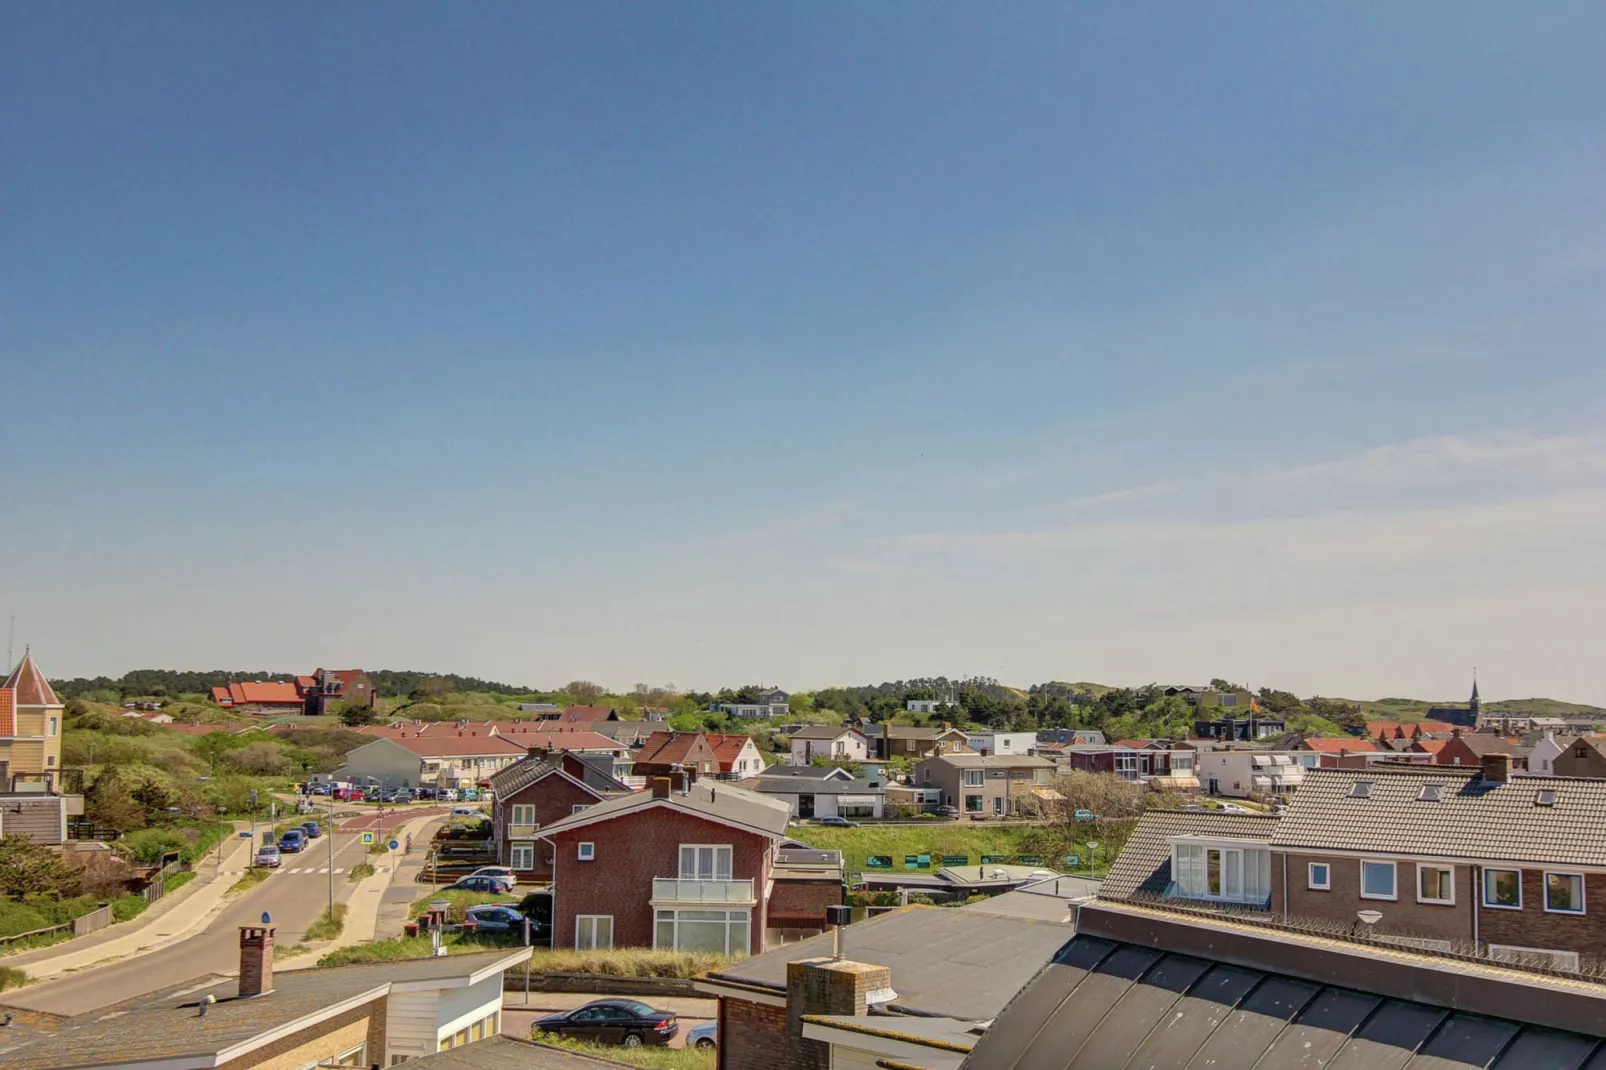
(1435,884)
(593,932)
(52,726)
(973,804)
(523,856)
(1564,893)
(1320,876)
(354,1057)
(1429,793)
(1534,956)
(1547,797)
(1502,889)
(1377,880)
(974,778)
(1126,766)
(722,932)
(523,815)
(1181,763)
(1362,789)
(705,862)
(1230,874)
(588,852)
(577,807)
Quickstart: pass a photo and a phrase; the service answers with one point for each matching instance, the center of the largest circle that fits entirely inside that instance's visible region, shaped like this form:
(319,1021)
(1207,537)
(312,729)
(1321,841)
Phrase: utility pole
(331,856)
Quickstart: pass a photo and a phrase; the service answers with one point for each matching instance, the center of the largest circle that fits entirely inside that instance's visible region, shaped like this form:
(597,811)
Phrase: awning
(1175,783)
(1261,781)
(857,800)
(1048,795)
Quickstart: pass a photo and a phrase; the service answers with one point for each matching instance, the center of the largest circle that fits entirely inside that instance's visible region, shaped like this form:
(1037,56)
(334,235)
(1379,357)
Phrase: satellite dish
(267,919)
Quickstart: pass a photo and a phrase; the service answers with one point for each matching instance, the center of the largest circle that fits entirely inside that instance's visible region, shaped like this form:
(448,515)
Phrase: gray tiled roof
(786,785)
(1473,819)
(944,962)
(994,761)
(719,801)
(824,731)
(520,775)
(1144,864)
(167,1025)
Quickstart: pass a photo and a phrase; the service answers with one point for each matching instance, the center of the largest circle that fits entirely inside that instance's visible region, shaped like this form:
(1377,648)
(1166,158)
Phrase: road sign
(394,844)
(1072,861)
(368,837)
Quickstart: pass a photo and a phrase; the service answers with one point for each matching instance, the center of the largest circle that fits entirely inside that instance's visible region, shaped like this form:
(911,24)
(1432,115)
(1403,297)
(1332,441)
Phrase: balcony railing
(671,890)
(1172,891)
(522,832)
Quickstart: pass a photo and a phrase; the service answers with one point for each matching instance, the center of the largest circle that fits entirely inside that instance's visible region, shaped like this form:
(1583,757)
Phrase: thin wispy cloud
(1109,497)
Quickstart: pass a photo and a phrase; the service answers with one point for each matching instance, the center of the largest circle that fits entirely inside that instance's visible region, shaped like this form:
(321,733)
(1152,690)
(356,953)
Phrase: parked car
(837,822)
(613,1021)
(268,856)
(426,793)
(292,841)
(499,872)
(448,794)
(946,811)
(495,918)
(319,789)
(481,884)
(314,830)
(467,811)
(704,1036)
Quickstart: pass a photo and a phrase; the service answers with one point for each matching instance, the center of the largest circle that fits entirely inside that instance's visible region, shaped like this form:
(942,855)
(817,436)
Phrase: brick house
(984,785)
(534,792)
(1468,748)
(666,753)
(685,868)
(1582,758)
(919,741)
(828,741)
(1435,857)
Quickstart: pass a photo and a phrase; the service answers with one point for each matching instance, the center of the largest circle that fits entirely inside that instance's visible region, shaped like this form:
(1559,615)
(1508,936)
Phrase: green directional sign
(878,862)
(1030,860)
(993,860)
(956,860)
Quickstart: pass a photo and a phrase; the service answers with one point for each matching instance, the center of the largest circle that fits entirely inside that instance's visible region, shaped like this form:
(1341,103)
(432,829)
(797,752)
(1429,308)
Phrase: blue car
(314,830)
(293,841)
(704,1036)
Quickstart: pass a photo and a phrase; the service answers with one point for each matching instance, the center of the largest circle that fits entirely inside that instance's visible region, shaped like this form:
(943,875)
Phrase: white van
(448,795)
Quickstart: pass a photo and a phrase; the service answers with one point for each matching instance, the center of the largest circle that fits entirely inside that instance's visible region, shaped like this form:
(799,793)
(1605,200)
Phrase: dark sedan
(612,1021)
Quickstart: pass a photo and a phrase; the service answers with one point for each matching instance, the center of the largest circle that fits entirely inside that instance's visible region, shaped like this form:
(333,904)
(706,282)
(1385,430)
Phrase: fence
(94,921)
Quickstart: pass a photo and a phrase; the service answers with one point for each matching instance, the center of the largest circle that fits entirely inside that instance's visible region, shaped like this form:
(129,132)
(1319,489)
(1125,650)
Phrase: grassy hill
(1415,709)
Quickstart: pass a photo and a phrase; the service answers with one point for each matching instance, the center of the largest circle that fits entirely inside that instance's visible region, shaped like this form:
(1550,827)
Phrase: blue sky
(809,344)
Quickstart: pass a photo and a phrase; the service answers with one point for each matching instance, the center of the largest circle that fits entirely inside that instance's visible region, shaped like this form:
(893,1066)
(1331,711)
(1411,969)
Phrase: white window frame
(587,852)
(720,851)
(524,849)
(1236,858)
(1422,867)
(1324,885)
(671,916)
(1484,892)
(1394,868)
(527,810)
(1581,892)
(580,927)
(975,778)
(575,808)
(1566,960)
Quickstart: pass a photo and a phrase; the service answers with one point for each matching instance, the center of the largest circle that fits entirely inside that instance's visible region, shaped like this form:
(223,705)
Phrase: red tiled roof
(8,712)
(196,729)
(727,749)
(306,683)
(667,748)
(29,685)
(1345,743)
(1410,729)
(1430,746)
(587,713)
(221,696)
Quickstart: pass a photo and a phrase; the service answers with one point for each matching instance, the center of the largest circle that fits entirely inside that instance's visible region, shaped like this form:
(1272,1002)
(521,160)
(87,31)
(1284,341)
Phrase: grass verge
(177,881)
(649,1058)
(11,977)
(250,879)
(627,962)
(291,952)
(359,871)
(128,907)
(327,926)
(1050,843)
(460,901)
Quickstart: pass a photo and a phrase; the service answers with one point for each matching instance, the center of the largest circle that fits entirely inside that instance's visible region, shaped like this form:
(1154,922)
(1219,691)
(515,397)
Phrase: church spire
(1476,704)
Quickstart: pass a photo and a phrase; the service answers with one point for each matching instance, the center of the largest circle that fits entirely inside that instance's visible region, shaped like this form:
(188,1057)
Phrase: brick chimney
(660,787)
(256,960)
(537,752)
(827,986)
(1497,768)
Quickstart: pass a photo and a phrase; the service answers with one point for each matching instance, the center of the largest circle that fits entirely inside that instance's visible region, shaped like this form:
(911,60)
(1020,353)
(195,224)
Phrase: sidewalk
(201,898)
(364,903)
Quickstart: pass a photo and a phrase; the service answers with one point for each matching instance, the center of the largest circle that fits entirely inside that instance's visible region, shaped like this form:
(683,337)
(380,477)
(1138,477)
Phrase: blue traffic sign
(394,844)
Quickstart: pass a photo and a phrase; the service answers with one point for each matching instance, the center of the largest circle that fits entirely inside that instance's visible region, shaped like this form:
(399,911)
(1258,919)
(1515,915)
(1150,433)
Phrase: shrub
(128,907)
(17,918)
(360,871)
(11,977)
(327,926)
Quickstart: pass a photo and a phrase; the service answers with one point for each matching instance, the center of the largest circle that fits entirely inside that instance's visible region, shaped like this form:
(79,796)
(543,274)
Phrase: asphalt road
(293,899)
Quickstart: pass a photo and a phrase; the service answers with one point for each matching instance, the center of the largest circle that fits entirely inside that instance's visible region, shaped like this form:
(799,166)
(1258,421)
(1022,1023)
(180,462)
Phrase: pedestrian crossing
(303,870)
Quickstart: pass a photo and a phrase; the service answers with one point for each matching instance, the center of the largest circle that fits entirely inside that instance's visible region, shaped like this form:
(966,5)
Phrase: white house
(926,705)
(452,759)
(1237,773)
(1002,742)
(1542,758)
(827,796)
(828,741)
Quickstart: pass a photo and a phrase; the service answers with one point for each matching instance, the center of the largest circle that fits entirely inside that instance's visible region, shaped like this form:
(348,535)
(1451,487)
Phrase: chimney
(537,752)
(1496,768)
(256,960)
(828,986)
(1455,733)
(660,787)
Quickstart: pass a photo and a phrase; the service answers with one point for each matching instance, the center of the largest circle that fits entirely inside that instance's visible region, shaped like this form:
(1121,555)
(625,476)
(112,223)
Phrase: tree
(825,762)
(1347,715)
(1279,701)
(27,868)
(110,804)
(354,714)
(584,691)
(152,798)
(260,759)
